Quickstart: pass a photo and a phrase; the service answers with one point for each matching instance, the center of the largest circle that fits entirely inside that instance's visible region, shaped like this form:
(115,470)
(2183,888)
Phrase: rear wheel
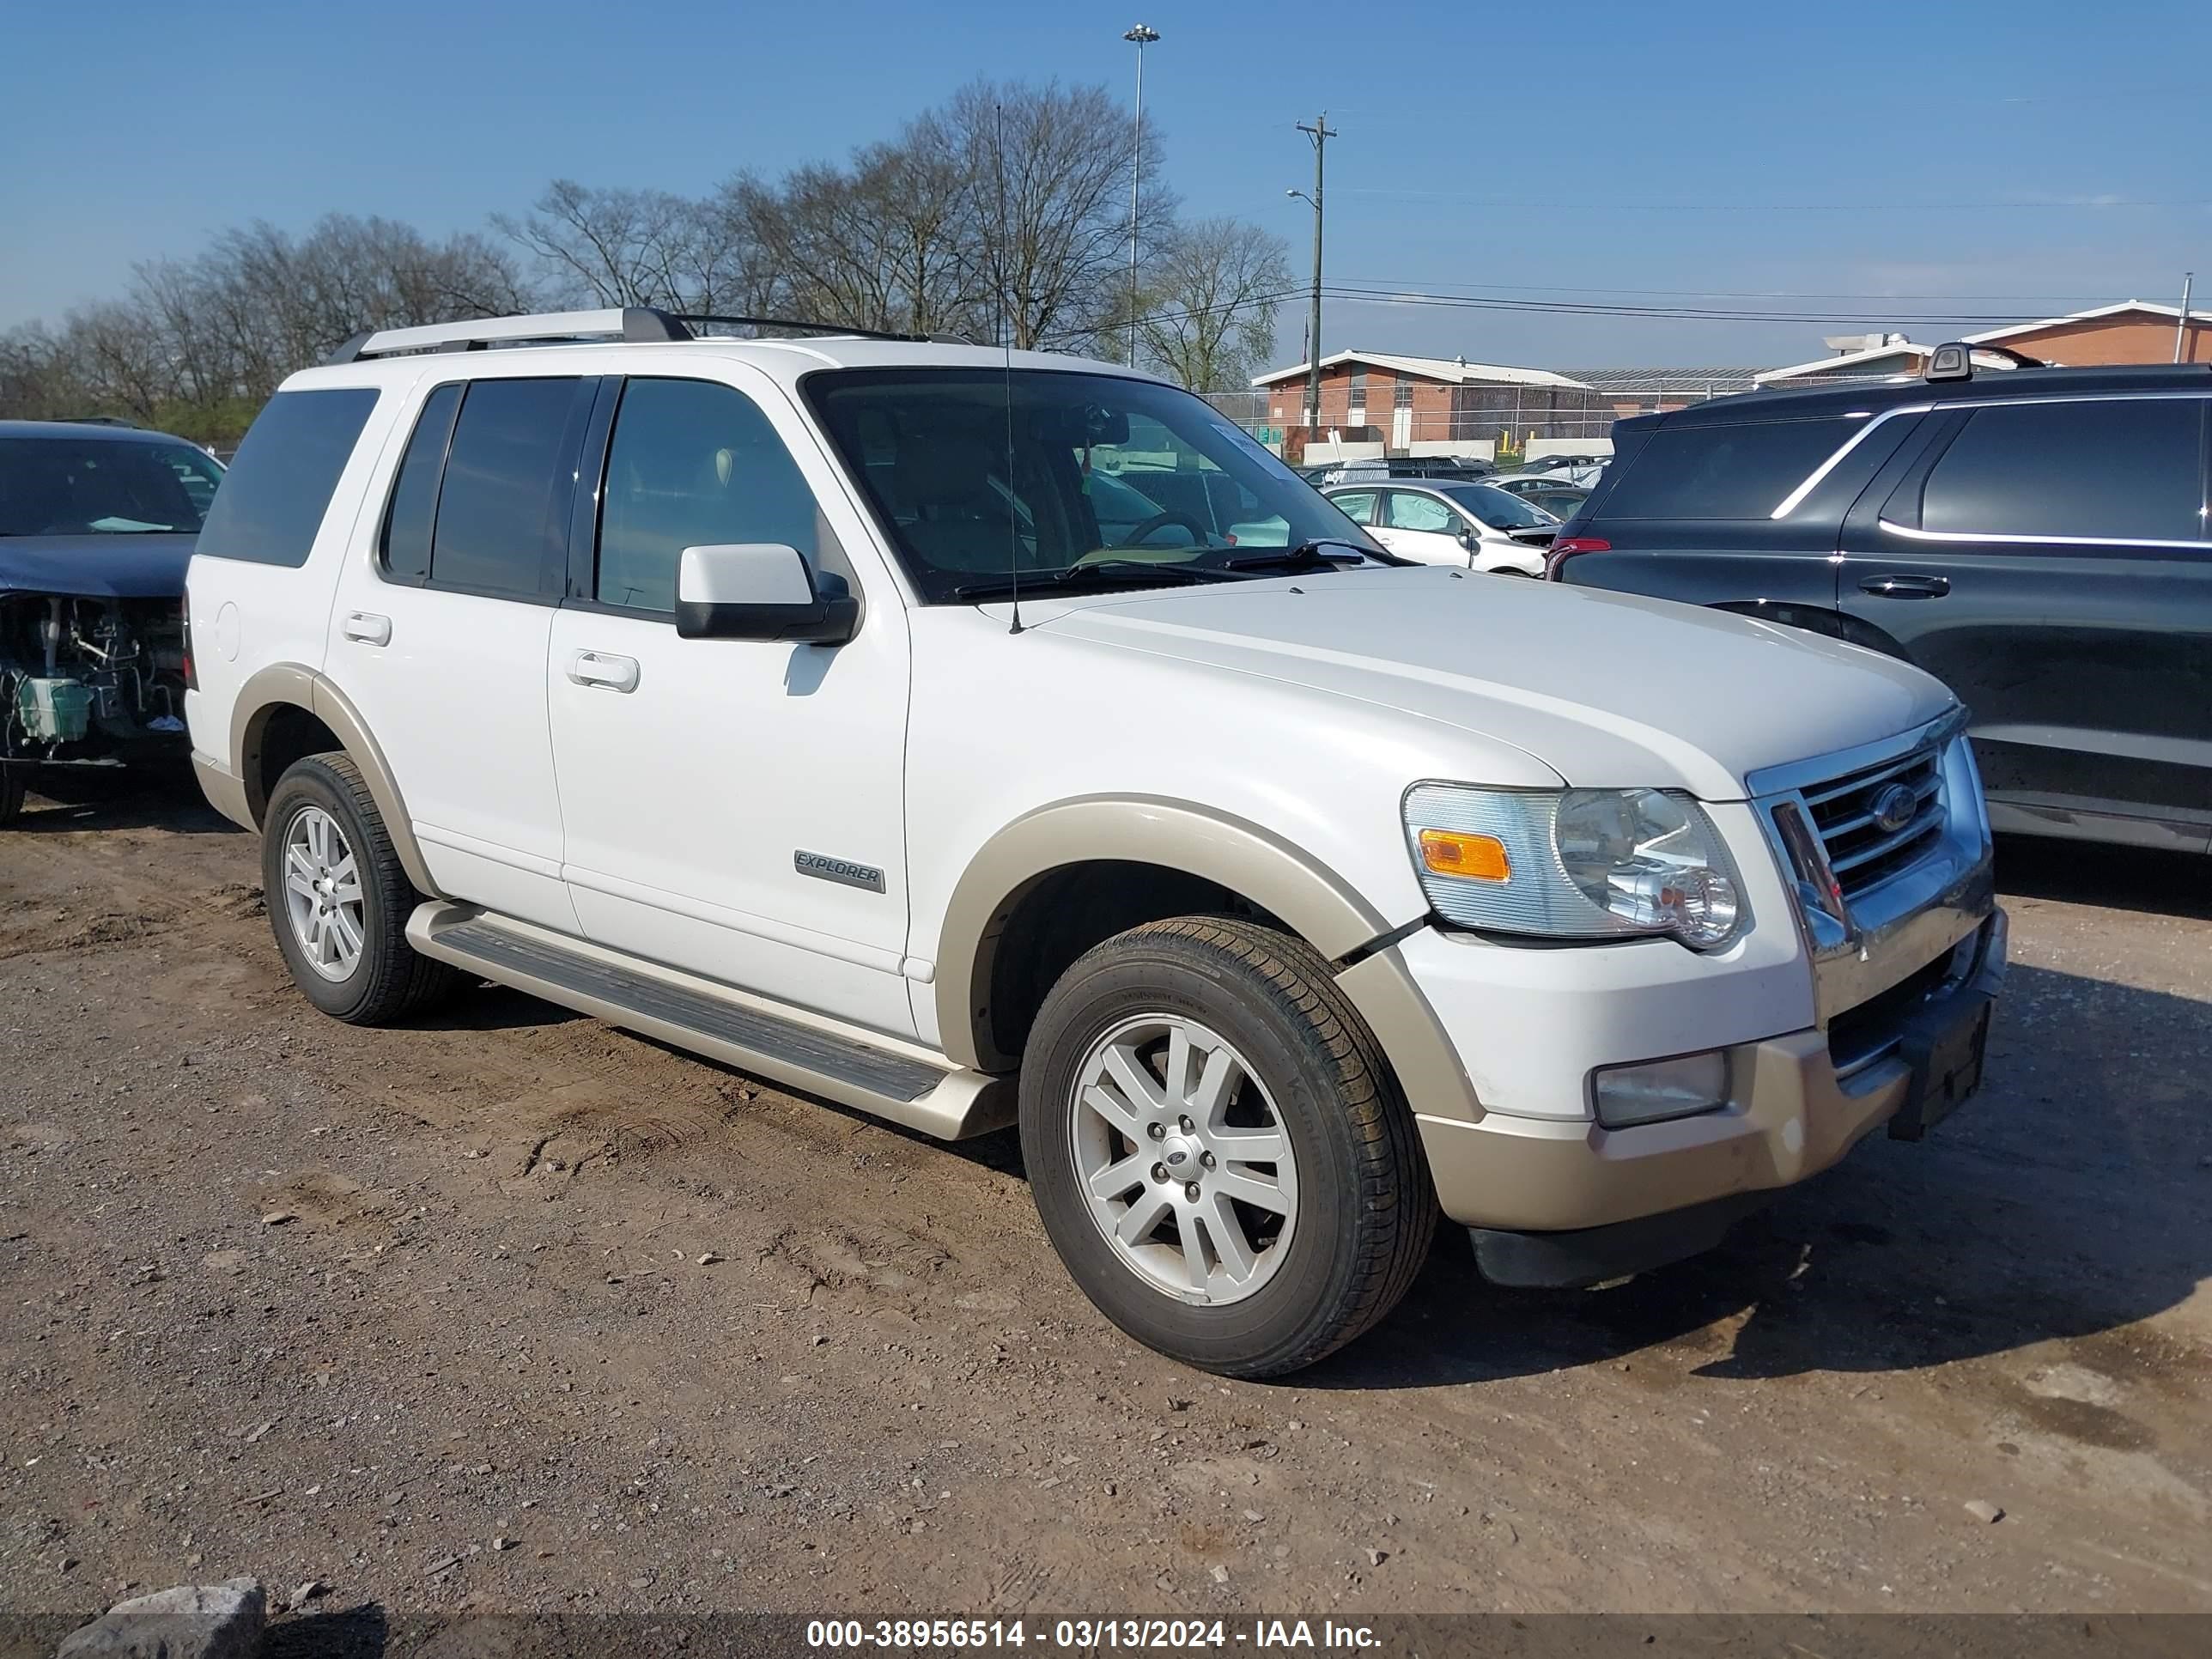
(1217,1149)
(338,898)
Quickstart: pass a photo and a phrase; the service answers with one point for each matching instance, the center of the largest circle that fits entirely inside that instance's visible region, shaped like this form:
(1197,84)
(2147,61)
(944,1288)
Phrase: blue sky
(2005,159)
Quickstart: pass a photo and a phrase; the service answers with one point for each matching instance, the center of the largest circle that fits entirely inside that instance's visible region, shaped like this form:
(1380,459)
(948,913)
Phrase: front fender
(1250,862)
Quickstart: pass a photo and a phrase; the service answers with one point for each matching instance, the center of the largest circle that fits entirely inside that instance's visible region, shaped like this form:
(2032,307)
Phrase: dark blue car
(96,525)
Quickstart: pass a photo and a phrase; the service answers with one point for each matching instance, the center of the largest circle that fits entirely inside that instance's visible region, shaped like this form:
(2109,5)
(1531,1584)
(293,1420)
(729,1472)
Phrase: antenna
(1006,346)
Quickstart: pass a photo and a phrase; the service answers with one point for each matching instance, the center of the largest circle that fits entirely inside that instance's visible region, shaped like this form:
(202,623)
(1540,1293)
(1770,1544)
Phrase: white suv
(784,700)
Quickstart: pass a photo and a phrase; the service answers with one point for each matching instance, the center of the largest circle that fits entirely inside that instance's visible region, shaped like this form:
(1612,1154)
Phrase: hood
(136,567)
(1606,689)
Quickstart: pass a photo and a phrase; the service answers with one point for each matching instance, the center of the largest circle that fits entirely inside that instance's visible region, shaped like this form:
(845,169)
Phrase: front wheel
(1217,1149)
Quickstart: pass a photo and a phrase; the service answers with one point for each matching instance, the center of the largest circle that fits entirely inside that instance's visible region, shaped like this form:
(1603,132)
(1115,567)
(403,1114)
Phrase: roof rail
(633,323)
(787,322)
(630,322)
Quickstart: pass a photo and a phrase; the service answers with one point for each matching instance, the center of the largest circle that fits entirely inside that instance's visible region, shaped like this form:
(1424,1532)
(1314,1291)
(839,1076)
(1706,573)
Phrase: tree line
(1000,216)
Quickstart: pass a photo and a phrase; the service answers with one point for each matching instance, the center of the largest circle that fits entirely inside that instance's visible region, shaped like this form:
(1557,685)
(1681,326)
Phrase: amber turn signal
(1451,852)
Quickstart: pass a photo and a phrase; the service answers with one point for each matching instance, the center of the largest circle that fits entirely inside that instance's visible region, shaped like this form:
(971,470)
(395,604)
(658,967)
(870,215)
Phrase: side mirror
(760,590)
(1468,538)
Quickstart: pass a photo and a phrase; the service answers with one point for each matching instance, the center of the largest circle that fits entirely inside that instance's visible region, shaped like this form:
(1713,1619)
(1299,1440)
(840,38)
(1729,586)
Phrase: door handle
(368,628)
(1906,587)
(609,674)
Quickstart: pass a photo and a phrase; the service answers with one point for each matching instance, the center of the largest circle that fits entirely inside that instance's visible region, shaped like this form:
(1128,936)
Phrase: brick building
(2132,332)
(1429,405)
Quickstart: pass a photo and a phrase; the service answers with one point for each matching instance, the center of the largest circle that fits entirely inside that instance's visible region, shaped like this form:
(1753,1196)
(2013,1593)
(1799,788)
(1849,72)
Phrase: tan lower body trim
(224,792)
(1428,1068)
(1789,1119)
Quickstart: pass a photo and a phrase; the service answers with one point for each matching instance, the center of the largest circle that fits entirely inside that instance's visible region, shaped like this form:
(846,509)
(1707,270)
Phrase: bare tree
(1207,316)
(1001,215)
(41,377)
(199,344)
(633,248)
(1047,177)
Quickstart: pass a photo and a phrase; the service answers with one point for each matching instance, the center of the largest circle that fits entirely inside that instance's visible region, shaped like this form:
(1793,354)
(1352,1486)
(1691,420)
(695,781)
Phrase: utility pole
(1320,134)
(1143,35)
(2181,324)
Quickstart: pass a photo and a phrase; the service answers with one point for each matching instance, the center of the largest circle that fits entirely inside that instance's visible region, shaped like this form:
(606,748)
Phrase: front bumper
(1791,1115)
(1843,1007)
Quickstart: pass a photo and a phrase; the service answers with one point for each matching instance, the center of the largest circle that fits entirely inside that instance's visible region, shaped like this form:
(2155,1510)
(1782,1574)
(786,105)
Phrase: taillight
(184,613)
(1566,547)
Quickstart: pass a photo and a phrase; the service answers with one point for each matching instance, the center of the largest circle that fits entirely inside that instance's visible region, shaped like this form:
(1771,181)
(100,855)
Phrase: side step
(900,1081)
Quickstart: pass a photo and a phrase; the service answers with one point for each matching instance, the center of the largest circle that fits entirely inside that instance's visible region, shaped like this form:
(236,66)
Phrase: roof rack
(637,325)
(813,328)
(632,323)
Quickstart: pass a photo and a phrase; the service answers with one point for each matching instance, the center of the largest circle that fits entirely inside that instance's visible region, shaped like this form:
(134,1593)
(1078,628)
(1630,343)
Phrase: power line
(2039,301)
(1708,314)
(2091,205)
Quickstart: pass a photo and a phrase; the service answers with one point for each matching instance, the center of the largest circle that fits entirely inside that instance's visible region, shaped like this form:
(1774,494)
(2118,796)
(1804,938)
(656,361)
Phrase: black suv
(2037,537)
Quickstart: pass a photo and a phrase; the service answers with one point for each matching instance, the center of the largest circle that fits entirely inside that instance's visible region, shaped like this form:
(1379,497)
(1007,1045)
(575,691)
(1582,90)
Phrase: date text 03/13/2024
(1084,1634)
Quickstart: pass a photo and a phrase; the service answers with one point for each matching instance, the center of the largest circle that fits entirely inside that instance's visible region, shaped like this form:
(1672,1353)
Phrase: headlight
(1577,864)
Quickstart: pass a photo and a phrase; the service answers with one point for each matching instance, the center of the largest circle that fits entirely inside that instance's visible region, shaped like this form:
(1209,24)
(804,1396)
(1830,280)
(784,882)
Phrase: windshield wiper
(1100,573)
(1310,556)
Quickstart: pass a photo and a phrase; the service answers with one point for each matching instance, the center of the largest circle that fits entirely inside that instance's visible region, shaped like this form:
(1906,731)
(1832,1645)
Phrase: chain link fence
(1476,419)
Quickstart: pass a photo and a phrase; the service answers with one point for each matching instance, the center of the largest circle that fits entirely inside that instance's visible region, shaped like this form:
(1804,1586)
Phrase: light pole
(1143,35)
(1321,133)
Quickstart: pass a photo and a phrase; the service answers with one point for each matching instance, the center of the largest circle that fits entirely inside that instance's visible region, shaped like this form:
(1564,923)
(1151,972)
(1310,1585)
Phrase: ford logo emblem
(1894,807)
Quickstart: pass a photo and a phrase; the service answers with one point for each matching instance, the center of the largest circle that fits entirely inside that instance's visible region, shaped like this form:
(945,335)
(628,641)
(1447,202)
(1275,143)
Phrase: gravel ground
(510,1311)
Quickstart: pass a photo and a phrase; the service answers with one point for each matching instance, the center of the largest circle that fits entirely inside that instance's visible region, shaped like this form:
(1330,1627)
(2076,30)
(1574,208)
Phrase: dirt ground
(512,1310)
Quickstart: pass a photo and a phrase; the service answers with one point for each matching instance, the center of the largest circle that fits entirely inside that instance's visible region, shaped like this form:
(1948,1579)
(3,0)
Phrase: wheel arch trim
(294,685)
(1250,862)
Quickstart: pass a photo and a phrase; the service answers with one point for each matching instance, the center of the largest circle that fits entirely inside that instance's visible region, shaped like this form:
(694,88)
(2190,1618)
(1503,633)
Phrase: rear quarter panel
(1723,563)
(246,617)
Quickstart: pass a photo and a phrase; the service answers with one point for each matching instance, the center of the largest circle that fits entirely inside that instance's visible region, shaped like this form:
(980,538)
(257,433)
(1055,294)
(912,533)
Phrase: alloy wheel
(323,893)
(1183,1159)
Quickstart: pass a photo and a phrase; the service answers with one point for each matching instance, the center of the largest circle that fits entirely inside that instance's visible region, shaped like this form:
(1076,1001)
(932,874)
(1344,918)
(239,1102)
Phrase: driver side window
(693,462)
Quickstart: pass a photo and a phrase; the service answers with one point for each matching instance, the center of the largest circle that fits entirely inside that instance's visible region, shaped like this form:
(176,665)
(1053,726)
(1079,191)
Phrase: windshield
(1501,509)
(1084,476)
(103,486)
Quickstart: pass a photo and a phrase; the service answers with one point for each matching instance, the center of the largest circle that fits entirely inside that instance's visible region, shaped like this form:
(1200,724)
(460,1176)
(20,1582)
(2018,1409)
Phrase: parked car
(96,525)
(2036,538)
(1575,464)
(1439,467)
(718,688)
(1472,525)
(1552,491)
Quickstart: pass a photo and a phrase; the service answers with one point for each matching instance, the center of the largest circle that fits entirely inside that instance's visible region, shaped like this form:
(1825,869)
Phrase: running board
(900,1081)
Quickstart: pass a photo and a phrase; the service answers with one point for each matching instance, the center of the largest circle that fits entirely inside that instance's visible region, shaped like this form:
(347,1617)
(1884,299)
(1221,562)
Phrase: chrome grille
(1862,852)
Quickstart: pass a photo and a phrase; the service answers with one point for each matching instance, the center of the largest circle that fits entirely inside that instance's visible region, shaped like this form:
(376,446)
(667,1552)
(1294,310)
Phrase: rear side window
(1723,471)
(692,464)
(503,505)
(273,498)
(2128,471)
(1412,512)
(406,547)
(1356,506)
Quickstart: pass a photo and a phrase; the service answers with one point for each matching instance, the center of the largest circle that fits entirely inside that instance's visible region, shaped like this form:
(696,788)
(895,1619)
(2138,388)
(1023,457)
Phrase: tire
(1354,1210)
(11,795)
(322,809)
